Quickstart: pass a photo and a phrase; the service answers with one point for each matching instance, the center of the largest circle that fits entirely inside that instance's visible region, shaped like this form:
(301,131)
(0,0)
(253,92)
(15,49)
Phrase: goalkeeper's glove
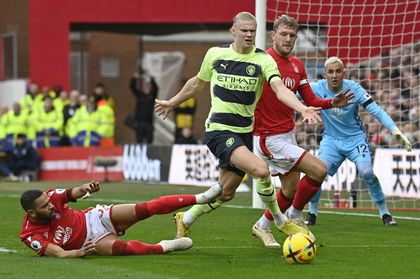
(401,138)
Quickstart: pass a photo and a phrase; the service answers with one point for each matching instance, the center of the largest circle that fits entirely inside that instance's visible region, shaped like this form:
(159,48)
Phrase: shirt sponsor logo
(62,235)
(289,82)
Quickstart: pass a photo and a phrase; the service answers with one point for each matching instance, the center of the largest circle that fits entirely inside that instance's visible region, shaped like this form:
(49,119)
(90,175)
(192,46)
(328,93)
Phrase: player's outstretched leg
(179,244)
(184,220)
(134,247)
(210,195)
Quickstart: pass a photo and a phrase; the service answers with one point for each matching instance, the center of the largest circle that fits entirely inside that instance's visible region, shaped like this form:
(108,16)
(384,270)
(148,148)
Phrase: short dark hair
(47,97)
(28,198)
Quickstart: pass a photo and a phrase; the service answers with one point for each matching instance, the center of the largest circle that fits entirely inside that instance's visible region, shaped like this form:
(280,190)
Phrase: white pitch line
(366,214)
(324,246)
(7,250)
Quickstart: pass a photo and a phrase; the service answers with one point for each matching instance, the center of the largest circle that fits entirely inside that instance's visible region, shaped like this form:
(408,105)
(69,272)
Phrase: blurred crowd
(393,82)
(53,117)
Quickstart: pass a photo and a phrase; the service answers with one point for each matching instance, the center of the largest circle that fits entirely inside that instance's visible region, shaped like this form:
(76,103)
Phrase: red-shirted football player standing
(52,228)
(275,136)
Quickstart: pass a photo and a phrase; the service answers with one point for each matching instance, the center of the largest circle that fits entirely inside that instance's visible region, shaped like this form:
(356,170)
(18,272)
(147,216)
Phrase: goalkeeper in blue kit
(345,137)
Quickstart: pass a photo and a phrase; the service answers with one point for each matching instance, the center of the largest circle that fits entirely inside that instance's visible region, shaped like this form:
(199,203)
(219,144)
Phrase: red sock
(283,202)
(306,190)
(134,247)
(163,205)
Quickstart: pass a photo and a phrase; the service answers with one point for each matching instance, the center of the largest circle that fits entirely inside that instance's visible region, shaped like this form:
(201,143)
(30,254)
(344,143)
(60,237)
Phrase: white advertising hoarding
(193,165)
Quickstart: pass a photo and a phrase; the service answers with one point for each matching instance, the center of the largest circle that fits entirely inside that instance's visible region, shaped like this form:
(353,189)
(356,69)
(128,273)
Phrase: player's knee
(319,173)
(366,174)
(226,196)
(289,192)
(261,172)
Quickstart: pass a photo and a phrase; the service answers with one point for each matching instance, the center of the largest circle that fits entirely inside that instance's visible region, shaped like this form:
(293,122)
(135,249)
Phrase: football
(299,248)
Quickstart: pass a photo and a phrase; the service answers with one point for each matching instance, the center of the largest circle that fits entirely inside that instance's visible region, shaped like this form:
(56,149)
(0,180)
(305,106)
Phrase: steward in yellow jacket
(48,124)
(90,124)
(12,123)
(27,102)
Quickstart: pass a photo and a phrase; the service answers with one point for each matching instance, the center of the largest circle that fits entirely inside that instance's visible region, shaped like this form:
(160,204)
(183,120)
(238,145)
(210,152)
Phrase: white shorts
(280,152)
(99,223)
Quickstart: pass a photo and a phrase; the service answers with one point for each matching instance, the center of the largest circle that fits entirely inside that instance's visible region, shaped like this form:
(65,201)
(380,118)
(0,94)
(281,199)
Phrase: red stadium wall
(77,163)
(50,25)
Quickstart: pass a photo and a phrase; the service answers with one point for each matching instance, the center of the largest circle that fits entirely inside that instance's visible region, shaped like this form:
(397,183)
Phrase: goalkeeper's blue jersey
(345,122)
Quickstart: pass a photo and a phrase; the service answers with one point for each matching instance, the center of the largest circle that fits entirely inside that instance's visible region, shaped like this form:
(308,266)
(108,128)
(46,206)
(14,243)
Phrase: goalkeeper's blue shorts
(337,150)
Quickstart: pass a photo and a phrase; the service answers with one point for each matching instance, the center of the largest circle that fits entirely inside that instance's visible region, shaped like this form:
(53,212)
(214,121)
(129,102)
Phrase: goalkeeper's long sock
(197,210)
(378,195)
(313,204)
(267,193)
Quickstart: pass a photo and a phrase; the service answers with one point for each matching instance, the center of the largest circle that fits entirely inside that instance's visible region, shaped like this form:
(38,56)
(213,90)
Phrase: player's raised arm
(86,190)
(56,251)
(288,98)
(191,87)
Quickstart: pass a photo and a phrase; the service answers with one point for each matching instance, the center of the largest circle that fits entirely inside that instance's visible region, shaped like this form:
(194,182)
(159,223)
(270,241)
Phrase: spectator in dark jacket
(22,157)
(145,105)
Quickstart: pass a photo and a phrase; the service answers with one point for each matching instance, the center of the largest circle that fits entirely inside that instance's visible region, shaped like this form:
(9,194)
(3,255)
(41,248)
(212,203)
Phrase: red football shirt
(67,230)
(272,117)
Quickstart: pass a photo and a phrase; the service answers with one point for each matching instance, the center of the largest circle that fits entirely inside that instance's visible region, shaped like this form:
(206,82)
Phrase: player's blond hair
(287,21)
(333,60)
(245,16)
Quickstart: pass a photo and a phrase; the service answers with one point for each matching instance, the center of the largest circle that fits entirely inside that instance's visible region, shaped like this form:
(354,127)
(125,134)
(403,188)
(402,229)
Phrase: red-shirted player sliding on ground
(275,136)
(52,228)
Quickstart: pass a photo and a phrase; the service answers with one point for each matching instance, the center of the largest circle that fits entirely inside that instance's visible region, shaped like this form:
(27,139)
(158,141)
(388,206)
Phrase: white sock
(264,223)
(188,219)
(279,219)
(295,214)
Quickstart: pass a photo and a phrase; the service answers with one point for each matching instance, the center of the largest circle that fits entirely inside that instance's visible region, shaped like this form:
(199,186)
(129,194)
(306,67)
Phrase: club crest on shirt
(250,70)
(295,68)
(229,142)
(289,159)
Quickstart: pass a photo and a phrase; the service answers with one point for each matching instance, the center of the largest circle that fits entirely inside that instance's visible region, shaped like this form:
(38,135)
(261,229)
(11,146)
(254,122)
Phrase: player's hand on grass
(310,114)
(91,189)
(343,99)
(88,248)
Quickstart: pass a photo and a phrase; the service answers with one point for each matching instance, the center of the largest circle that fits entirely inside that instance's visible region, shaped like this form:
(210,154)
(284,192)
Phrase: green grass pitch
(350,243)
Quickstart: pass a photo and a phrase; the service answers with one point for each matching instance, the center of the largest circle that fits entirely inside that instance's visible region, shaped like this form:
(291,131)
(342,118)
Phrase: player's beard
(50,217)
